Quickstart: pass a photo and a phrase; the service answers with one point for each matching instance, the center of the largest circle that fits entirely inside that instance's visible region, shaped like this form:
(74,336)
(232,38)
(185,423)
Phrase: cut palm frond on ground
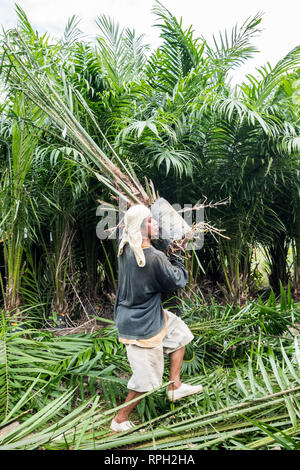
(234,406)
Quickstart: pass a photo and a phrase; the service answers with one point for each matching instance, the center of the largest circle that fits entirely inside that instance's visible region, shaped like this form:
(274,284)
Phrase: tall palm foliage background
(84,122)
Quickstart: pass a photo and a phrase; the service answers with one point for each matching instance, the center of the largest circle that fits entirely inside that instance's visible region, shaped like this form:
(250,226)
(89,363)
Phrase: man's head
(149,227)
(138,225)
(134,217)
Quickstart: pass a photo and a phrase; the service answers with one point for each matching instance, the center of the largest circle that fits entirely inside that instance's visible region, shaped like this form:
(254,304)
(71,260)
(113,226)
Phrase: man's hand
(177,247)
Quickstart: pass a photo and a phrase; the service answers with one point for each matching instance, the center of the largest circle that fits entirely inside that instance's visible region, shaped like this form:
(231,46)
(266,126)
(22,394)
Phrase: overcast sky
(280,20)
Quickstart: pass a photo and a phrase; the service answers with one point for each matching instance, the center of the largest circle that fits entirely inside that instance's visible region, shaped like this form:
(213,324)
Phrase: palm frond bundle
(57,99)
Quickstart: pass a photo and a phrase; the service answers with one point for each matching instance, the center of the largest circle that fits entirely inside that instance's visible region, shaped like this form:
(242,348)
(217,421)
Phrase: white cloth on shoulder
(132,235)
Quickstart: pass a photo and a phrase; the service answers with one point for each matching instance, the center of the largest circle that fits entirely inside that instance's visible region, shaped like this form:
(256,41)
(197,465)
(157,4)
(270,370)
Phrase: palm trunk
(13,259)
(278,253)
(297,257)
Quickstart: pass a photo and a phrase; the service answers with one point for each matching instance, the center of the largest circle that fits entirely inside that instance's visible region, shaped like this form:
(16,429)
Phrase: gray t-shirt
(138,308)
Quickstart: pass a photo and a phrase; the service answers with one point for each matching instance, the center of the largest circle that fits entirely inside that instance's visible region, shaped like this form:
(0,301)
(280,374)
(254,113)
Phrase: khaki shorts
(147,364)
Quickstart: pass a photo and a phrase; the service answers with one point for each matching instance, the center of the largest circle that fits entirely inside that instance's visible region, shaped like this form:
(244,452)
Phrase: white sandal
(183,391)
(119,427)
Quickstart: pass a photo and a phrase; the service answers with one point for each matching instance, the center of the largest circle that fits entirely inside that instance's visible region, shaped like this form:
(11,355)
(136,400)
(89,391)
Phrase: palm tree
(174,118)
(236,142)
(18,206)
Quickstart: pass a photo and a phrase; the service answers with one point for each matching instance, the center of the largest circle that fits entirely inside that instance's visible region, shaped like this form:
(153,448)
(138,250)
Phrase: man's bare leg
(176,359)
(123,414)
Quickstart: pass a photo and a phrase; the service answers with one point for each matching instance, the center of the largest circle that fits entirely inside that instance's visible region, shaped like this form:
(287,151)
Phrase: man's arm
(170,274)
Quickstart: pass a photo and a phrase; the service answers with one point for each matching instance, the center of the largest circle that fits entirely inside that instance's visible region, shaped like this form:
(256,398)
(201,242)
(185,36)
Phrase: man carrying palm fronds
(147,330)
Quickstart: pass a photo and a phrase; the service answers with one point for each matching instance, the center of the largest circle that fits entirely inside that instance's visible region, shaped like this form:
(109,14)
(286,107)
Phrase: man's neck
(146,242)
